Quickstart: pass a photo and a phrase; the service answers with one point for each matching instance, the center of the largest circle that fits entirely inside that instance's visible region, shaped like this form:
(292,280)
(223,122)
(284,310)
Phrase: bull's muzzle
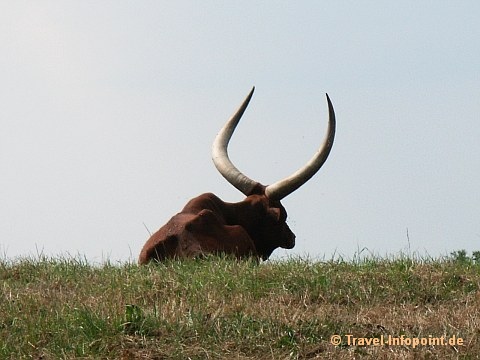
(290,241)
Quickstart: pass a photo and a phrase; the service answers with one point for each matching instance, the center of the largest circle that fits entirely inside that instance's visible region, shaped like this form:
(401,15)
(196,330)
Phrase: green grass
(219,308)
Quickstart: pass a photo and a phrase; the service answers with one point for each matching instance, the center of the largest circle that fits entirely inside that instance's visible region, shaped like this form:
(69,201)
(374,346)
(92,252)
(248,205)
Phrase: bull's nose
(291,242)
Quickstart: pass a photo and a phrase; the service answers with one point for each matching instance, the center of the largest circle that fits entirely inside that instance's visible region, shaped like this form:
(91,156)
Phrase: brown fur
(253,227)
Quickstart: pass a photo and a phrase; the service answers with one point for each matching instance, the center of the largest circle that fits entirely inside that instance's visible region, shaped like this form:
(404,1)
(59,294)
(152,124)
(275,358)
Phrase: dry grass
(220,308)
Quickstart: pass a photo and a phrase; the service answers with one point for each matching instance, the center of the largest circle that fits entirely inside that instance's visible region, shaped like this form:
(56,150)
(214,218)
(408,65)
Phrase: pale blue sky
(108,111)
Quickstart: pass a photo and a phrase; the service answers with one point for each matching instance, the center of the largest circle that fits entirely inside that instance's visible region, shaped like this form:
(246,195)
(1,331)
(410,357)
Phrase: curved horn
(220,155)
(282,188)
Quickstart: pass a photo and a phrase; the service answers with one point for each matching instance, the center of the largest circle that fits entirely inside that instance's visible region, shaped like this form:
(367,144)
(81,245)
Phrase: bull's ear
(275,213)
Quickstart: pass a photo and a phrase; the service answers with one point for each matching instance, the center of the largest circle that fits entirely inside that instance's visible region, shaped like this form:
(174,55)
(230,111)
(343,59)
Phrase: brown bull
(253,227)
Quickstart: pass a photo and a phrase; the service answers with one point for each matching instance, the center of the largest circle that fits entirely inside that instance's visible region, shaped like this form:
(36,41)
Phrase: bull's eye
(274,214)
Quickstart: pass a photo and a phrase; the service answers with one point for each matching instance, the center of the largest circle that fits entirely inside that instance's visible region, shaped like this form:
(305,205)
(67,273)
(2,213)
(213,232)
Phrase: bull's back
(191,235)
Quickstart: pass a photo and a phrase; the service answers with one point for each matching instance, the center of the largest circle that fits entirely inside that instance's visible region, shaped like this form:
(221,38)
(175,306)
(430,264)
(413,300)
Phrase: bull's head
(272,231)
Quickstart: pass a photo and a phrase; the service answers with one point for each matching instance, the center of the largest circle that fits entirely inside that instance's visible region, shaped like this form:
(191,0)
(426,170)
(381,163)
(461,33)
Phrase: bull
(254,227)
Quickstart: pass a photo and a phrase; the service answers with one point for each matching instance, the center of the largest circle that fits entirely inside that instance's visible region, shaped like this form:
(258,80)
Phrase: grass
(220,308)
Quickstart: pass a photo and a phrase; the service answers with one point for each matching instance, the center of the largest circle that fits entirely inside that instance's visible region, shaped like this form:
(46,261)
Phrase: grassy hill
(219,308)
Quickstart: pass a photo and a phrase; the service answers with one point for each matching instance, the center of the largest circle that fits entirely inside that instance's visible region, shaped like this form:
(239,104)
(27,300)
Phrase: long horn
(282,188)
(220,154)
